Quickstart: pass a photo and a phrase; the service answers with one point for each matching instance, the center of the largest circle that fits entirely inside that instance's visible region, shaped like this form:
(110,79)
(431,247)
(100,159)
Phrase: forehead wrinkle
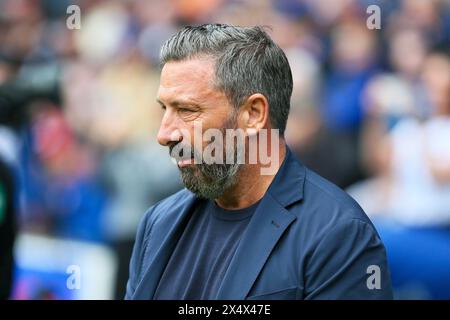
(178,72)
(182,95)
(187,80)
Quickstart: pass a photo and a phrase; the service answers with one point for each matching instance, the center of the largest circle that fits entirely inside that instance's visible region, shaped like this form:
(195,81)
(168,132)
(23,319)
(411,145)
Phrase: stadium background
(78,119)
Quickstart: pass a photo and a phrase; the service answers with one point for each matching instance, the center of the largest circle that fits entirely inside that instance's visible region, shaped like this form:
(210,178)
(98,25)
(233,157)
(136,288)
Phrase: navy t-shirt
(203,253)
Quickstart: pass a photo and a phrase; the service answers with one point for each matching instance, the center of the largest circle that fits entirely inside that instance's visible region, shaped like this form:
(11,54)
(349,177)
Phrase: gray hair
(247,61)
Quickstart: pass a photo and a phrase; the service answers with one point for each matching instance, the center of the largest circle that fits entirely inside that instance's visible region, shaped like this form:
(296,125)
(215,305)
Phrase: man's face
(187,96)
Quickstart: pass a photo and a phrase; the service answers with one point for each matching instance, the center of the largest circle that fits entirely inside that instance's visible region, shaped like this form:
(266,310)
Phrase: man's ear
(254,114)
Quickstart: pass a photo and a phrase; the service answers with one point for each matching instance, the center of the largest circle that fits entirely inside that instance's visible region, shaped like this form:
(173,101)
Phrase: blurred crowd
(370,111)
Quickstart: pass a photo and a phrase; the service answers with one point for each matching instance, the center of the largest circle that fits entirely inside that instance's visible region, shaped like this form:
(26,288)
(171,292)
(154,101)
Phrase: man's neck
(252,185)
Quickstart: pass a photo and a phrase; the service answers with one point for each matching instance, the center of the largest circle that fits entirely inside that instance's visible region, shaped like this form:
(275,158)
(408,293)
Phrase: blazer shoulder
(329,201)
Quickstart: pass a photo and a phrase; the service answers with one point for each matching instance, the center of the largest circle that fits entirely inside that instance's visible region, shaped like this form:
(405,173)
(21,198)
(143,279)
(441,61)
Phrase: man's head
(222,77)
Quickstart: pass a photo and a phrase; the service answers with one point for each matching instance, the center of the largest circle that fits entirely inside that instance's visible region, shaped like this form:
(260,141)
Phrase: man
(237,231)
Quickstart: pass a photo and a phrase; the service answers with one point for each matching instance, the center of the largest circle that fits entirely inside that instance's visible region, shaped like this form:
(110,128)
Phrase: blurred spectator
(352,63)
(412,188)
(417,165)
(60,191)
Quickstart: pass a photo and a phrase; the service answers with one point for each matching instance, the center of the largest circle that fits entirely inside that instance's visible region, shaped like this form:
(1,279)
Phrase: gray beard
(210,181)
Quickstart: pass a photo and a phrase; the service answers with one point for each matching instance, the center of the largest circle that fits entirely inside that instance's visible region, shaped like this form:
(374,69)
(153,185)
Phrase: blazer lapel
(269,222)
(150,279)
(265,229)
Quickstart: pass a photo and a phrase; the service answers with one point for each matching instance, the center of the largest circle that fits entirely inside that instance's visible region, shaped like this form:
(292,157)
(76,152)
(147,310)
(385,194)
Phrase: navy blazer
(307,239)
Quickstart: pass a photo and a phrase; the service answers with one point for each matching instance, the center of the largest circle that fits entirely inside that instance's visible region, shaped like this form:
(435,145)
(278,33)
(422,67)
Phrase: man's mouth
(181,159)
(185,162)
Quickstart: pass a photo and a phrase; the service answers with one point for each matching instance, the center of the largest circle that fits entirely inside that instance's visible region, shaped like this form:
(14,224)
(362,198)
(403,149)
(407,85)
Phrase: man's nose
(168,132)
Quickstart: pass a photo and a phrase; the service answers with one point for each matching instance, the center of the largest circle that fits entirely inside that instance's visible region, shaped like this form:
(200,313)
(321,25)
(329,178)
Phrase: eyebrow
(177,103)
